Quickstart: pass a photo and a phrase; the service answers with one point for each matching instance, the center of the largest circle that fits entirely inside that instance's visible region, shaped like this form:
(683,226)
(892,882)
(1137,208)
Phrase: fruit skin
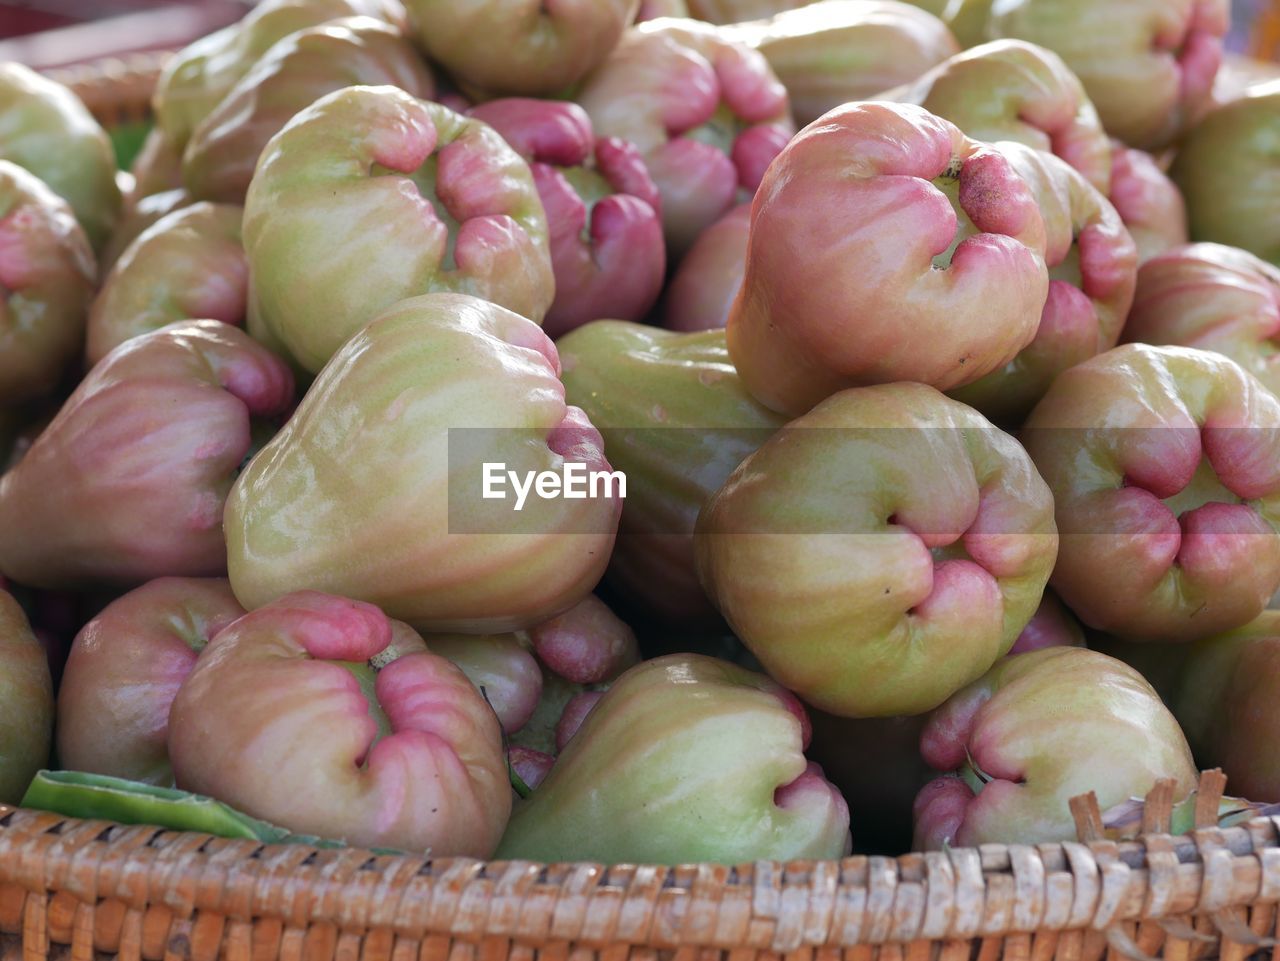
(880,552)
(676,420)
(1147,201)
(1165,468)
(49,131)
(195,80)
(836,51)
(139,214)
(298,70)
(1227,171)
(127,482)
(501,668)
(1044,727)
(1211,297)
(855,188)
(605,232)
(587,644)
(519,47)
(373,490)
(453,193)
(188,265)
(1052,625)
(124,670)
(46,283)
(1148,65)
(1013,90)
(685,759)
(1093,266)
(1225,699)
(306,713)
(707,115)
(26,702)
(701,293)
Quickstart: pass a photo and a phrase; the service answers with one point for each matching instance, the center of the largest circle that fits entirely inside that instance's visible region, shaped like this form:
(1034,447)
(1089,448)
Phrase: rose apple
(124,670)
(1215,298)
(835,51)
(188,265)
(677,421)
(1052,625)
(195,80)
(1092,264)
(308,713)
(949,245)
(1226,168)
(1147,201)
(49,131)
(1148,65)
(587,644)
(46,283)
(1035,731)
(880,552)
(219,159)
(520,46)
(138,215)
(605,232)
(127,482)
(394,512)
(685,759)
(703,288)
(1012,90)
(1165,468)
(1228,701)
(501,668)
(454,207)
(1237,74)
(26,702)
(706,113)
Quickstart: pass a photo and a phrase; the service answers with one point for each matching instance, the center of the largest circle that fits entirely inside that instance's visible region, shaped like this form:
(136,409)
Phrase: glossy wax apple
(836,51)
(1147,201)
(1215,298)
(520,47)
(26,702)
(1226,168)
(48,130)
(375,487)
(1013,90)
(1092,264)
(603,222)
(311,714)
(188,265)
(127,482)
(1148,65)
(455,209)
(706,113)
(1165,468)
(1034,732)
(949,248)
(686,758)
(880,552)
(702,290)
(677,420)
(124,670)
(46,283)
(298,70)
(198,76)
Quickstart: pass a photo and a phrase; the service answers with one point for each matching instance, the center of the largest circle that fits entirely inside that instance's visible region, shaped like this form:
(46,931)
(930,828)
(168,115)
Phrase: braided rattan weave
(86,888)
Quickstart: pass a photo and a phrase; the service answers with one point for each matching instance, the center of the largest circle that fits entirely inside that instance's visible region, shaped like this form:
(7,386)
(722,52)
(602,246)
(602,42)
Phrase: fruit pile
(608,431)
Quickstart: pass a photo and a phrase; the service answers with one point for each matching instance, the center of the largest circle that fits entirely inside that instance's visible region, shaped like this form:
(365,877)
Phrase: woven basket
(88,889)
(81,889)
